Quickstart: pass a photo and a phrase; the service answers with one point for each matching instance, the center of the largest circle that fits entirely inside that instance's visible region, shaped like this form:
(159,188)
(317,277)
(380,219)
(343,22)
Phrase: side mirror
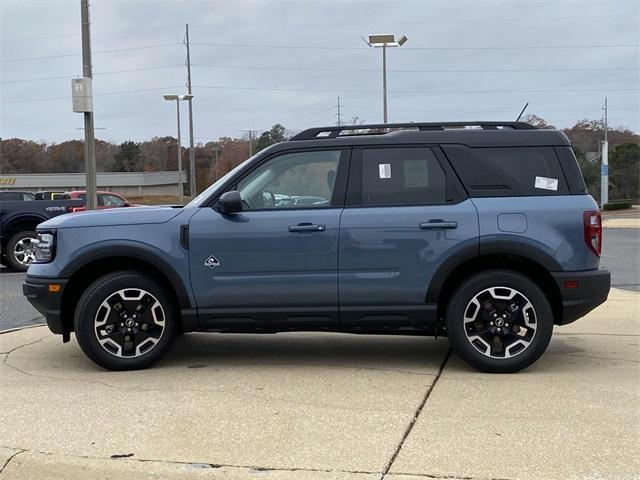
(229,202)
(126,204)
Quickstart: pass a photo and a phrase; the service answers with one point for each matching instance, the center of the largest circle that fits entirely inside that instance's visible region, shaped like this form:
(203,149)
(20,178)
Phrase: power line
(67,97)
(318,47)
(114,50)
(502,47)
(66,77)
(425,22)
(230,87)
(505,70)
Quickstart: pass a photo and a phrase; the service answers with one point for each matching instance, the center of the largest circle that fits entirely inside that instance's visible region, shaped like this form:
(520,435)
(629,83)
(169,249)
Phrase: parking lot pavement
(15,310)
(326,406)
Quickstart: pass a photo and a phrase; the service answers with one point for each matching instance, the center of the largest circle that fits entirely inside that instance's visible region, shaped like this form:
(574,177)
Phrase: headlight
(45,247)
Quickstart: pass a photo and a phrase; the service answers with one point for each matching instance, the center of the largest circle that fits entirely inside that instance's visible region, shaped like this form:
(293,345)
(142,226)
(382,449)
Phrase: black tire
(12,261)
(91,302)
(461,334)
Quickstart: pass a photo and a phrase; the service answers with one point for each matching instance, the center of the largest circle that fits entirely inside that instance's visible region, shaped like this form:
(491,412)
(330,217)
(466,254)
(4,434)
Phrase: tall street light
(384,40)
(178,99)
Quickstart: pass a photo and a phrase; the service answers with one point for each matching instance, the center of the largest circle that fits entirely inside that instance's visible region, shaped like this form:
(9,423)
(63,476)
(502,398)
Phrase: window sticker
(384,170)
(546,183)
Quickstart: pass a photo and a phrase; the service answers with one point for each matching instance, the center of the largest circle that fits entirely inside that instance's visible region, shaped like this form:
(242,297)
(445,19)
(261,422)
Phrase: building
(131,184)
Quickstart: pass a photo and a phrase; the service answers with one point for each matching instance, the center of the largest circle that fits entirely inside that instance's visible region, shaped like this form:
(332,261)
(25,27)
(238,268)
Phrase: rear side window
(571,170)
(402,176)
(508,171)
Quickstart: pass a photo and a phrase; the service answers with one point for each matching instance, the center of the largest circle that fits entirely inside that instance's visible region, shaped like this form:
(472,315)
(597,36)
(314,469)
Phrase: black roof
(472,134)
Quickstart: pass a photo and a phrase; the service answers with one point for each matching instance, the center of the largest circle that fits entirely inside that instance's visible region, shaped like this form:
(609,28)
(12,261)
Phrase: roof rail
(384,128)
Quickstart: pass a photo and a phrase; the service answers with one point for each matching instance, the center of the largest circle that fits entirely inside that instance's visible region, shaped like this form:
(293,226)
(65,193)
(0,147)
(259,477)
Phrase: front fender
(135,250)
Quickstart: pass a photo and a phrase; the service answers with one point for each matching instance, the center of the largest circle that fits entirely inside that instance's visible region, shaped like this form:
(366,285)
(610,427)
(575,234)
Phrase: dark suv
(484,233)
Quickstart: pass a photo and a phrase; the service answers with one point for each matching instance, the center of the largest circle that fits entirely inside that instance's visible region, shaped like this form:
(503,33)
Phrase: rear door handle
(438,224)
(307,227)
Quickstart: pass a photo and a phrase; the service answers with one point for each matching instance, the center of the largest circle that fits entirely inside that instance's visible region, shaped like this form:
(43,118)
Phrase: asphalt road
(621,255)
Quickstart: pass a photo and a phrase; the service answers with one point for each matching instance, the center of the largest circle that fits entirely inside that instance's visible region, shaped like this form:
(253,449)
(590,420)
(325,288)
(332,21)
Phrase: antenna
(339,115)
(522,111)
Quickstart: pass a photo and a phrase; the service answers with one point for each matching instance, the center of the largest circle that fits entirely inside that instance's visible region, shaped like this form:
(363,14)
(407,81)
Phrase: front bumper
(46,299)
(581,292)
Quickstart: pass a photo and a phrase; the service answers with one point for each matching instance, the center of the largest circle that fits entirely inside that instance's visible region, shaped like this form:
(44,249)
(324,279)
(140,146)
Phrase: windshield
(197,202)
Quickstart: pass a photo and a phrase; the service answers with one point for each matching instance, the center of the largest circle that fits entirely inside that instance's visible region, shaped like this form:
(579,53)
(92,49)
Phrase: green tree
(128,157)
(624,171)
(276,134)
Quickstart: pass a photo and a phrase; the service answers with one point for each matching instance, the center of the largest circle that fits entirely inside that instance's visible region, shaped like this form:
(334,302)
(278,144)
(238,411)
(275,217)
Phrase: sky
(260,62)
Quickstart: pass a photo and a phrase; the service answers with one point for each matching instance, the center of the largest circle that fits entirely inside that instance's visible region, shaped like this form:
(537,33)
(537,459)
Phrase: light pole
(384,40)
(178,99)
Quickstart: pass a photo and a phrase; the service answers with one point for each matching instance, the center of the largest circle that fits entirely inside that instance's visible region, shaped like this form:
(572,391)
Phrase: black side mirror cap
(229,202)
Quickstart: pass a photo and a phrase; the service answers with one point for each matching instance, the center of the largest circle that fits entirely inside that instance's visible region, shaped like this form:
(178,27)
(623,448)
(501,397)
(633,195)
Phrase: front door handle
(307,227)
(437,224)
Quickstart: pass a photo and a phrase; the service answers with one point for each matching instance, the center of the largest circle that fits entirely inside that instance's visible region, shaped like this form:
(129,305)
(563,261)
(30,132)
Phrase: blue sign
(604,170)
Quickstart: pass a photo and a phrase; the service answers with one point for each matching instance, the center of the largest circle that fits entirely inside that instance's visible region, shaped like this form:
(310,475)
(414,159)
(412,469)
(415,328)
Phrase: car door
(405,215)
(275,263)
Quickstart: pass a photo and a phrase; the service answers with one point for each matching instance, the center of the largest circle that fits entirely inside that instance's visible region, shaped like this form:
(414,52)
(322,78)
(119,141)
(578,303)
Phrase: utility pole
(192,153)
(250,132)
(384,82)
(604,168)
(338,114)
(89,139)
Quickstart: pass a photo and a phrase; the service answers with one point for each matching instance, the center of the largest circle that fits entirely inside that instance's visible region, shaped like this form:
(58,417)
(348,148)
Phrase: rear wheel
(21,250)
(499,321)
(125,321)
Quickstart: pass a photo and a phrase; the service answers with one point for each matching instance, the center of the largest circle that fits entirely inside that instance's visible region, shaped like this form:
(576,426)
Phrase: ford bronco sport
(482,232)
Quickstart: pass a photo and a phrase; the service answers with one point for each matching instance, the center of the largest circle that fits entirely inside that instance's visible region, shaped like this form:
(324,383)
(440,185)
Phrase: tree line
(215,158)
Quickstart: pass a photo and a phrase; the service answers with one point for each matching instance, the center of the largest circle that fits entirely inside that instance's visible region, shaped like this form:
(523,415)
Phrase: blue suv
(480,232)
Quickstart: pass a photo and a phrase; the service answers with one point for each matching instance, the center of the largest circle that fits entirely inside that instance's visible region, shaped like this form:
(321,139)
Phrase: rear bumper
(45,300)
(592,290)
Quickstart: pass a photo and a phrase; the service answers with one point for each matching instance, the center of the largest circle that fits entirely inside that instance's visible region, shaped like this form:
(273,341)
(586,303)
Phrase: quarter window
(293,180)
(508,171)
(402,176)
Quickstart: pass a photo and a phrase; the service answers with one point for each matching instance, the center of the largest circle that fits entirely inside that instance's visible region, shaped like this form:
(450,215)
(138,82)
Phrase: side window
(508,171)
(112,201)
(292,180)
(402,176)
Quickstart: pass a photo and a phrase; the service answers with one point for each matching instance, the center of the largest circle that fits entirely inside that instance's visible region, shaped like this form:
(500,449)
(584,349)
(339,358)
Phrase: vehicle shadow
(392,352)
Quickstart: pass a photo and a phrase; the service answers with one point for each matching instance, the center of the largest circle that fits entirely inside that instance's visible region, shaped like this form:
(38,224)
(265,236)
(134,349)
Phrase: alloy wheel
(24,251)
(500,322)
(129,323)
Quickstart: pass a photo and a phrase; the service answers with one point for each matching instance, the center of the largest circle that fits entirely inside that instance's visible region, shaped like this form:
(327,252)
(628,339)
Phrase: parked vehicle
(18,222)
(104,200)
(51,195)
(16,196)
(486,235)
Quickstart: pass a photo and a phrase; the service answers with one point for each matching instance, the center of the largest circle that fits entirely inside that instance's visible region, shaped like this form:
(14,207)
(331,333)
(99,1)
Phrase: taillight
(593,231)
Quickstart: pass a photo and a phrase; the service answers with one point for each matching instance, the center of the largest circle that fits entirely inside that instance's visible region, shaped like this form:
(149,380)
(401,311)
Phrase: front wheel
(21,250)
(499,321)
(125,321)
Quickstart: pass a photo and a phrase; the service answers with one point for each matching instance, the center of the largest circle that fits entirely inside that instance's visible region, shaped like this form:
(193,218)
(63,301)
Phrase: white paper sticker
(546,183)
(384,170)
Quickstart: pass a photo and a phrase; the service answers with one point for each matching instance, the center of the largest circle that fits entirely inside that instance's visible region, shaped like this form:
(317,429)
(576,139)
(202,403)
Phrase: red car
(105,200)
